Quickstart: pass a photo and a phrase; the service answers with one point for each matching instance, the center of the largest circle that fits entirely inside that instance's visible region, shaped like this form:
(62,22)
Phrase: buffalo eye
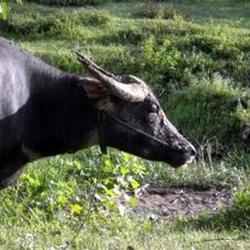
(153,108)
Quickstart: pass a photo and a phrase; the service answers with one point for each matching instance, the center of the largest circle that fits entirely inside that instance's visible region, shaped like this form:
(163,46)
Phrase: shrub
(129,35)
(199,55)
(235,217)
(153,10)
(64,185)
(94,17)
(161,62)
(66,2)
(31,23)
(68,25)
(67,29)
(207,110)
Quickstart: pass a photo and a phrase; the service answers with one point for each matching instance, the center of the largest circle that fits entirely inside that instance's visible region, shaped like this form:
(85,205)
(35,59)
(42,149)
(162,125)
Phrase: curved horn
(131,92)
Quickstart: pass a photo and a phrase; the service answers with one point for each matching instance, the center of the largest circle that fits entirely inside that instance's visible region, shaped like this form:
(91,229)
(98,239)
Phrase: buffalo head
(132,119)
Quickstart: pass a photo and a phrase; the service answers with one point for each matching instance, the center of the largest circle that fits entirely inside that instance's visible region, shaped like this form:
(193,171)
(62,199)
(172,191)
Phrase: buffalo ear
(97,93)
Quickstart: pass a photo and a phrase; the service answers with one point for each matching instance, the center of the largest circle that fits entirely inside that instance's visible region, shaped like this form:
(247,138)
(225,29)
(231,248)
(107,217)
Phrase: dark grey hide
(44,111)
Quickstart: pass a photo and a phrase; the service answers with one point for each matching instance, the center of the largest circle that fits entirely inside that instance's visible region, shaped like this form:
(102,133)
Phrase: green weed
(199,68)
(236,216)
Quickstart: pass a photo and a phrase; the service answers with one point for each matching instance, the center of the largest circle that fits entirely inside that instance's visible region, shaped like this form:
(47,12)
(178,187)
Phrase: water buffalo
(45,111)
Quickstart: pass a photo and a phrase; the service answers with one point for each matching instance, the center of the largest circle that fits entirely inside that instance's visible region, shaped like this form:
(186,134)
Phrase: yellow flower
(75,209)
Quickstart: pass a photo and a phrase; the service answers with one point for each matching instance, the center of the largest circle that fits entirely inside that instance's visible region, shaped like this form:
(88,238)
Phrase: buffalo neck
(61,117)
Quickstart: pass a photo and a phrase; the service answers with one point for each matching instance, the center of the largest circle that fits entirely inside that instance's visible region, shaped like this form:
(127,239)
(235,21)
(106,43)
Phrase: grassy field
(196,56)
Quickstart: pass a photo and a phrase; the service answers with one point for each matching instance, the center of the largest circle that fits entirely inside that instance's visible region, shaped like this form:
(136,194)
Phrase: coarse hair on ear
(97,93)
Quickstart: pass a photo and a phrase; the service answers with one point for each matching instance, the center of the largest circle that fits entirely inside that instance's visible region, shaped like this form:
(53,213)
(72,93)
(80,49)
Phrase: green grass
(118,233)
(195,55)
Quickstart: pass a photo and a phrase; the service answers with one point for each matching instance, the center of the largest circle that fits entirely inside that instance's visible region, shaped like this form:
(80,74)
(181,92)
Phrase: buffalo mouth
(174,158)
(178,160)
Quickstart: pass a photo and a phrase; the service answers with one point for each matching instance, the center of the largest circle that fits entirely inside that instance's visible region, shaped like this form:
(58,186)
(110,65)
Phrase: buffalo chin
(175,159)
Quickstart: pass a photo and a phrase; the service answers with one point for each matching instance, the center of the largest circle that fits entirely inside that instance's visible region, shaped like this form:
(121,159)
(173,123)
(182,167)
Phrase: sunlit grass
(200,67)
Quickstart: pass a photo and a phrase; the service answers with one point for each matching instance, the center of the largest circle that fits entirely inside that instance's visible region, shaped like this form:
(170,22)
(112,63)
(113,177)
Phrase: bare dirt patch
(169,202)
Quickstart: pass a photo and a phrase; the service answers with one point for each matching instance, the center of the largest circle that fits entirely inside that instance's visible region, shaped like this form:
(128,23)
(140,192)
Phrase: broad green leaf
(5,10)
(75,209)
(135,184)
(124,170)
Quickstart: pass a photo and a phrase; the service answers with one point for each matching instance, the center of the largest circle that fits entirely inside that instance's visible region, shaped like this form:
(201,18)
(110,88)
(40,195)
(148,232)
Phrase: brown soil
(169,202)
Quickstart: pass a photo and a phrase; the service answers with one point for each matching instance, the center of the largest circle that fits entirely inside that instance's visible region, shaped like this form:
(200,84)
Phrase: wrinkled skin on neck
(139,122)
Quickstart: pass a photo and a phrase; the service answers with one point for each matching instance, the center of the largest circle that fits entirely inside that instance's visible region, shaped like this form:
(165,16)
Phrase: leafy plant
(5,9)
(152,11)
(236,216)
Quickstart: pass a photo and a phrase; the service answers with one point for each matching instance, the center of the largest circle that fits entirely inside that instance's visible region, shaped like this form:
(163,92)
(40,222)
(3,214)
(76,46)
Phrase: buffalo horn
(132,92)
